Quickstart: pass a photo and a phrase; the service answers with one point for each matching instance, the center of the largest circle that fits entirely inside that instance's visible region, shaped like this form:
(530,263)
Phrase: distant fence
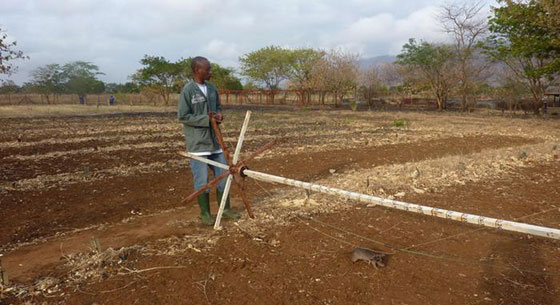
(227,97)
(264,97)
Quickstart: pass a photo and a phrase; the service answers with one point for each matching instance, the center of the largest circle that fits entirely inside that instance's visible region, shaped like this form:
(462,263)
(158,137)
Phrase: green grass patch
(401,123)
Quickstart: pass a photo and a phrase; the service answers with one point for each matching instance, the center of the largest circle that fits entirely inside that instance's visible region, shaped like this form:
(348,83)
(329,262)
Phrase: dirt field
(118,178)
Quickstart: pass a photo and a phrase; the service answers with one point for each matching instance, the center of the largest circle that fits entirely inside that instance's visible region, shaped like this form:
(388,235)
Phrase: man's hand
(219,117)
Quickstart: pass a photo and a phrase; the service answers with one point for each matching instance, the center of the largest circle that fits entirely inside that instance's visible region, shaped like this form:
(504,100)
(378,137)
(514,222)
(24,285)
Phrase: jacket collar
(198,88)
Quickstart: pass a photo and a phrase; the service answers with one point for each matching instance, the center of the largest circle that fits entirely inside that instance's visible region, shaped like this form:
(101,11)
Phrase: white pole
(411,207)
(230,177)
(241,137)
(223,202)
(205,160)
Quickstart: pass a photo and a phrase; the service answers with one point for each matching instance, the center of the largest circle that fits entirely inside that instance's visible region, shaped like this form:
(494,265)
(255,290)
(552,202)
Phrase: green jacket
(193,111)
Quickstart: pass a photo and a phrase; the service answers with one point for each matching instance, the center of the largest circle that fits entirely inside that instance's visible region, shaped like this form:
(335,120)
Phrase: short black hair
(197,61)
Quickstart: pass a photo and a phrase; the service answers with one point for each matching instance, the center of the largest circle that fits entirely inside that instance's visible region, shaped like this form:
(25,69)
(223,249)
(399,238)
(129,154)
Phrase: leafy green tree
(162,76)
(8,54)
(269,65)
(301,62)
(81,78)
(128,87)
(48,80)
(224,78)
(525,37)
(429,66)
(250,85)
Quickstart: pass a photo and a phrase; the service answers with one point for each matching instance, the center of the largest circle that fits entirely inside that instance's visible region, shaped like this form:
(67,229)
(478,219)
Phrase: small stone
(332,170)
(419,191)
(400,194)
(415,173)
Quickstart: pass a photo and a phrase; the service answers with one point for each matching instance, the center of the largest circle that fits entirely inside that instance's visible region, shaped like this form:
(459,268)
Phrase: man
(198,100)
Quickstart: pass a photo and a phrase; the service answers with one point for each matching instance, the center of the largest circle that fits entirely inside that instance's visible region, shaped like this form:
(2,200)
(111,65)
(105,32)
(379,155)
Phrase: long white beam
(411,207)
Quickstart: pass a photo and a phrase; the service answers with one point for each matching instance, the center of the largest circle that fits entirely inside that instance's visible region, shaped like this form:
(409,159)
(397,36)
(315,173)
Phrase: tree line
(513,52)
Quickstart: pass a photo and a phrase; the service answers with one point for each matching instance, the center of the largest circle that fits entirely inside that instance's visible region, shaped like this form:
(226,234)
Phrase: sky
(115,35)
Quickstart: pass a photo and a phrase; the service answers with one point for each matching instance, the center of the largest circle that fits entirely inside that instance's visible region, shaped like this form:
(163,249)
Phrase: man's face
(204,70)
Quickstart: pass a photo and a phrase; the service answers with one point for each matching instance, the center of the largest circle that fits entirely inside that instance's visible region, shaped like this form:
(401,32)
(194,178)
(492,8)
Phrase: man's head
(201,69)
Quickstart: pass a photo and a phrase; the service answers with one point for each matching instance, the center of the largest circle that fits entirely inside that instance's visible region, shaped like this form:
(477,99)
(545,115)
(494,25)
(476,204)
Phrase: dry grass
(29,111)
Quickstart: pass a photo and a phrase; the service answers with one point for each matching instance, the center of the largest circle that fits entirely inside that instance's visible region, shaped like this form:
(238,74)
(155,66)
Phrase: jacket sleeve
(186,115)
(218,102)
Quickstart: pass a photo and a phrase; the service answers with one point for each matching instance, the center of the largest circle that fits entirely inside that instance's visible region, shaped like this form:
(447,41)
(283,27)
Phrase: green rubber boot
(204,204)
(228,213)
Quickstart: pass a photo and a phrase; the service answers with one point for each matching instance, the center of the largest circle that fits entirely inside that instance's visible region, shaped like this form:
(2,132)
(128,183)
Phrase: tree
(464,23)
(8,87)
(128,87)
(509,90)
(81,78)
(301,62)
(430,66)
(269,65)
(336,72)
(528,42)
(160,75)
(371,85)
(47,80)
(8,54)
(224,78)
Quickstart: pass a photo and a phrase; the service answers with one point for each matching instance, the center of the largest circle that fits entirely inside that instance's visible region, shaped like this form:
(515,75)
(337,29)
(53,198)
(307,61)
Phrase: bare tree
(336,72)
(370,85)
(463,21)
(391,74)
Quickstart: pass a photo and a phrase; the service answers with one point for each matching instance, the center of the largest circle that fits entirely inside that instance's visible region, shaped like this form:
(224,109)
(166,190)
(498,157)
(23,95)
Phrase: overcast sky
(115,35)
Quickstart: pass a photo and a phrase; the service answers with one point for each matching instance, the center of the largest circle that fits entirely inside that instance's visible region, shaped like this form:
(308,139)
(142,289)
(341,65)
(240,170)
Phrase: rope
(446,257)
(257,182)
(336,238)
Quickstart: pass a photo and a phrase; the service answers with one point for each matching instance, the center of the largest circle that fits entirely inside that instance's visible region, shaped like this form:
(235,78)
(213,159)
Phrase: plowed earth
(119,179)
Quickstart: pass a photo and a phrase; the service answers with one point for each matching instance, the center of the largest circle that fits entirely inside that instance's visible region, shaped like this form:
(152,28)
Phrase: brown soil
(30,210)
(309,262)
(303,262)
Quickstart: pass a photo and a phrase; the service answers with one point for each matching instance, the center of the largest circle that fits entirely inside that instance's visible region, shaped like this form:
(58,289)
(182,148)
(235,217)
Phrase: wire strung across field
(447,257)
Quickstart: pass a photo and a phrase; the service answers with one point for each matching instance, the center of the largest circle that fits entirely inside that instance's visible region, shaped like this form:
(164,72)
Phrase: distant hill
(375,61)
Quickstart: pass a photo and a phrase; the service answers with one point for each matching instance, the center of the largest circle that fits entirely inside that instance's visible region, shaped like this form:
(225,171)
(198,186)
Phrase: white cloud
(384,33)
(225,53)
(115,34)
